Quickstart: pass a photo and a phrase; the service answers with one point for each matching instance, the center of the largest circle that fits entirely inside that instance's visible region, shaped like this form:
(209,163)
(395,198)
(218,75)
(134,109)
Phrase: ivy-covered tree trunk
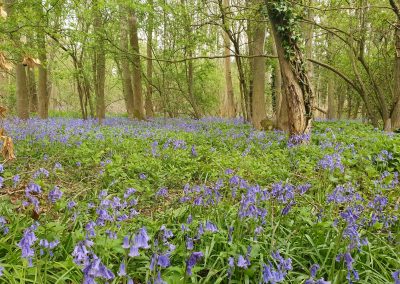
(296,86)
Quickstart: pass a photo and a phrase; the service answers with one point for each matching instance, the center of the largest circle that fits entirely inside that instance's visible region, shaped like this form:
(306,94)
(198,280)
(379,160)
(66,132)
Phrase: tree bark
(43,95)
(22,92)
(296,85)
(149,72)
(125,66)
(229,109)
(395,115)
(33,99)
(138,108)
(259,111)
(331,99)
(99,65)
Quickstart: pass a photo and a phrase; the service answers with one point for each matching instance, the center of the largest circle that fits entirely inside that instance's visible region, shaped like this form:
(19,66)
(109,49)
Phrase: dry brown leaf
(3,111)
(4,64)
(31,62)
(8,148)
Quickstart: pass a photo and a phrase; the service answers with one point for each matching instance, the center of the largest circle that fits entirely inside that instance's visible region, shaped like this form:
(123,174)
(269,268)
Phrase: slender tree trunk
(296,85)
(43,95)
(22,92)
(229,109)
(125,66)
(99,66)
(331,99)
(395,116)
(138,108)
(149,72)
(259,111)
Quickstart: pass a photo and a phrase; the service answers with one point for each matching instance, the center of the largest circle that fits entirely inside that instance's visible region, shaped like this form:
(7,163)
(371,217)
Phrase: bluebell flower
(126,243)
(163,260)
(142,176)
(3,225)
(162,192)
(211,227)
(189,243)
(134,251)
(55,194)
(129,192)
(122,269)
(71,204)
(1,270)
(242,262)
(194,152)
(396,277)
(26,243)
(191,262)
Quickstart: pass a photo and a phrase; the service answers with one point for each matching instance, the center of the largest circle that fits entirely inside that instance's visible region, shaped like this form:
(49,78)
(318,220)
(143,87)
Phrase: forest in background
(201,58)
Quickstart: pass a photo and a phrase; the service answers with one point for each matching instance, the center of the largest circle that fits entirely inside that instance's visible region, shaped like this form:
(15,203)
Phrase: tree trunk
(331,99)
(281,115)
(125,67)
(33,99)
(149,72)
(259,111)
(22,92)
(229,109)
(43,95)
(296,85)
(395,116)
(99,66)
(138,108)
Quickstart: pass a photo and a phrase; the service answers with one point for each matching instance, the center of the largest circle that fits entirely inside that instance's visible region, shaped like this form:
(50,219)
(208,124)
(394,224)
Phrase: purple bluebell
(162,192)
(163,260)
(242,262)
(396,277)
(211,227)
(191,262)
(55,194)
(122,269)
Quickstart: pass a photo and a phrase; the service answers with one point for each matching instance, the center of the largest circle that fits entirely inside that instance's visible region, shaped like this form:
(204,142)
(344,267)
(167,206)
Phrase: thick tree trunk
(281,115)
(22,92)
(296,85)
(259,111)
(138,108)
(33,99)
(229,109)
(149,72)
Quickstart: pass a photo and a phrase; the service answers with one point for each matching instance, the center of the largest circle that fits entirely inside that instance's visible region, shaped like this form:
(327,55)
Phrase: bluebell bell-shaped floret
(129,192)
(122,270)
(191,262)
(142,239)
(243,262)
(90,232)
(396,277)
(133,251)
(162,192)
(189,243)
(163,260)
(26,243)
(55,194)
(211,227)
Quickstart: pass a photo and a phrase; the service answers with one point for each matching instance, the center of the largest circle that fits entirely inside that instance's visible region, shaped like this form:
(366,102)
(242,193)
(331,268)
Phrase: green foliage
(113,157)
